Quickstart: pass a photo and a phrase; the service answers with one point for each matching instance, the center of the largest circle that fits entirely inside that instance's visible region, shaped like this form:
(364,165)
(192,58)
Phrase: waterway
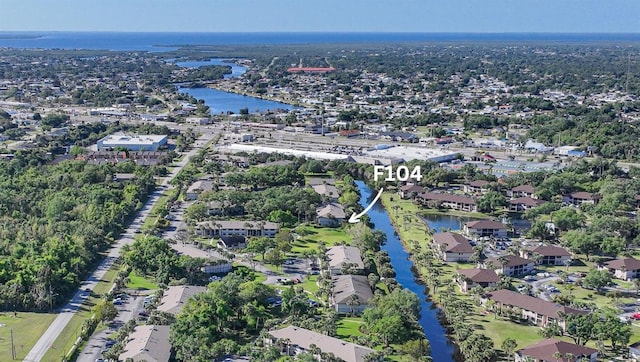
(221,102)
(441,347)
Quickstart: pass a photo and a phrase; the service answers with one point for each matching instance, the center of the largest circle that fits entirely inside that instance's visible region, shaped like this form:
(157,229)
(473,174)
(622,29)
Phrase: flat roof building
(132,142)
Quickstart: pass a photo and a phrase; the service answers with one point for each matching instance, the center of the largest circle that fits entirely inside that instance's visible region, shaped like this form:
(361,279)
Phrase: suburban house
(350,294)
(522,204)
(198,187)
(477,187)
(551,254)
(232,242)
(547,350)
(295,340)
(469,278)
(331,214)
(625,269)
(147,343)
(313,181)
(175,297)
(522,191)
(485,228)
(328,192)
(452,247)
(579,198)
(216,265)
(450,201)
(512,265)
(410,191)
(218,228)
(537,311)
(341,255)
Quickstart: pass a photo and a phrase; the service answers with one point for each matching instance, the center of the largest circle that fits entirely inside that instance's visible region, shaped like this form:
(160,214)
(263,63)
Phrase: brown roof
(412,188)
(626,264)
(447,198)
(344,286)
(485,224)
(527,201)
(480,275)
(550,250)
(513,261)
(542,307)
(478,183)
(148,343)
(585,196)
(524,188)
(545,350)
(456,243)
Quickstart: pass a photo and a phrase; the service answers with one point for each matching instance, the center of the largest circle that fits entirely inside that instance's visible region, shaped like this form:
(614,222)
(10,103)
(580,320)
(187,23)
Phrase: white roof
(123,139)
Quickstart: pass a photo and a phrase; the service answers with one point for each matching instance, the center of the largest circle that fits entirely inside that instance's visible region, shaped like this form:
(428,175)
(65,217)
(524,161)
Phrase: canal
(441,348)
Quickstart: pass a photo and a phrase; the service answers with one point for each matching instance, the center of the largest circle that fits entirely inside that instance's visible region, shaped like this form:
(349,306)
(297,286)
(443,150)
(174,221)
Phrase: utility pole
(13,347)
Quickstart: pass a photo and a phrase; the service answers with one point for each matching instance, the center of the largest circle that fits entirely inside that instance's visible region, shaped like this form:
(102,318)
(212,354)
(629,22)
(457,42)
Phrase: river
(441,348)
(221,102)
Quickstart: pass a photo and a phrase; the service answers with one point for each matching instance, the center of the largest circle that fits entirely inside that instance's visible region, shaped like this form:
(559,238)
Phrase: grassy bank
(27,329)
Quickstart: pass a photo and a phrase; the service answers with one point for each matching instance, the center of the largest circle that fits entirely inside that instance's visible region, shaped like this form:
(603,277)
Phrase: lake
(221,102)
(441,347)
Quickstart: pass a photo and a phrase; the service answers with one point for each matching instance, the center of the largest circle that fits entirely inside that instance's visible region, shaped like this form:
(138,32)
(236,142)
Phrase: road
(65,313)
(126,311)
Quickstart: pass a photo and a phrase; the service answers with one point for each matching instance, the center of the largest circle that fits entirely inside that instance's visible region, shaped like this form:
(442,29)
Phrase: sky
(463,16)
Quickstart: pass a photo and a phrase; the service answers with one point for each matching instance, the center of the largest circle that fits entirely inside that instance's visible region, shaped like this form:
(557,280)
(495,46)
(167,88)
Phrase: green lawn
(27,329)
(69,334)
(140,283)
(310,236)
(348,327)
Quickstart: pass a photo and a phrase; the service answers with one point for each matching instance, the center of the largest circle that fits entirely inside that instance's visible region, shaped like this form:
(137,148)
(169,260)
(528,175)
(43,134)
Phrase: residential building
(522,191)
(198,187)
(547,350)
(537,311)
(341,255)
(147,343)
(331,214)
(511,265)
(482,228)
(449,201)
(579,198)
(477,187)
(469,278)
(625,269)
(350,294)
(328,192)
(452,247)
(313,181)
(218,228)
(132,142)
(522,204)
(175,297)
(295,340)
(410,191)
(550,254)
(233,242)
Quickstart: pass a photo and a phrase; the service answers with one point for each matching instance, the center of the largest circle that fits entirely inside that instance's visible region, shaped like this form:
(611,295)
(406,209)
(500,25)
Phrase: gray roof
(238,224)
(326,190)
(331,209)
(338,255)
(176,297)
(343,286)
(148,343)
(304,338)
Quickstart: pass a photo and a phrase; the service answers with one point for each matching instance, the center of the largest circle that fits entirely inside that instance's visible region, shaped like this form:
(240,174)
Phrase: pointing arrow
(356,218)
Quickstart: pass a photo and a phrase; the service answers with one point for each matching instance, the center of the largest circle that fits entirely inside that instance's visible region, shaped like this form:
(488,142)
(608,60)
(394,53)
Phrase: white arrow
(356,218)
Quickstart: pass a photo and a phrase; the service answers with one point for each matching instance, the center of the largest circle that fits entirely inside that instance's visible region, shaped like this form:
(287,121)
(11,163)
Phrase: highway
(67,311)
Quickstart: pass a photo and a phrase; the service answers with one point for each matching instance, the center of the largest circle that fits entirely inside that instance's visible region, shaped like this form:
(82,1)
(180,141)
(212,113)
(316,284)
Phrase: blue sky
(606,16)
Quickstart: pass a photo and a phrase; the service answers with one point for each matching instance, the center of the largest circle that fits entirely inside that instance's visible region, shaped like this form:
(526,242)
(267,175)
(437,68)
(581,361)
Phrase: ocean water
(168,41)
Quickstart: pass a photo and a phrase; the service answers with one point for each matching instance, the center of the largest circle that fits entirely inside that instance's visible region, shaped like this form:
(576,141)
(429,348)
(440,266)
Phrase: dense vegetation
(56,219)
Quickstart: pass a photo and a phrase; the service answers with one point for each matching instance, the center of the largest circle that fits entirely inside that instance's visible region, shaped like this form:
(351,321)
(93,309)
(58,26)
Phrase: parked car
(635,316)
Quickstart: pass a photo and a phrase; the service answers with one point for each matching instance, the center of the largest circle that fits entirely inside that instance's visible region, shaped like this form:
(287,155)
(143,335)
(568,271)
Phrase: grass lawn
(27,329)
(310,236)
(348,327)
(69,334)
(140,283)
(310,286)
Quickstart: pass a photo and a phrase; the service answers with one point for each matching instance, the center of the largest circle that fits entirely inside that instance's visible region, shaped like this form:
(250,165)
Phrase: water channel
(221,102)
(441,348)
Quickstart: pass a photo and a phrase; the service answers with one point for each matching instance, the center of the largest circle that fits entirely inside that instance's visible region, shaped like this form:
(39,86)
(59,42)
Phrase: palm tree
(353,302)
(557,355)
(569,357)
(509,345)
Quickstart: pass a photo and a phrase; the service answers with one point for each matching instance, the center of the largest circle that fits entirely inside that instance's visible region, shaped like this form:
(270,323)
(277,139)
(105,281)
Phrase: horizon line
(327,32)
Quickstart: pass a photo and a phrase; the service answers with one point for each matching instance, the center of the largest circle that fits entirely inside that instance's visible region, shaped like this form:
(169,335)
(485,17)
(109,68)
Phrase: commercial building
(132,142)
